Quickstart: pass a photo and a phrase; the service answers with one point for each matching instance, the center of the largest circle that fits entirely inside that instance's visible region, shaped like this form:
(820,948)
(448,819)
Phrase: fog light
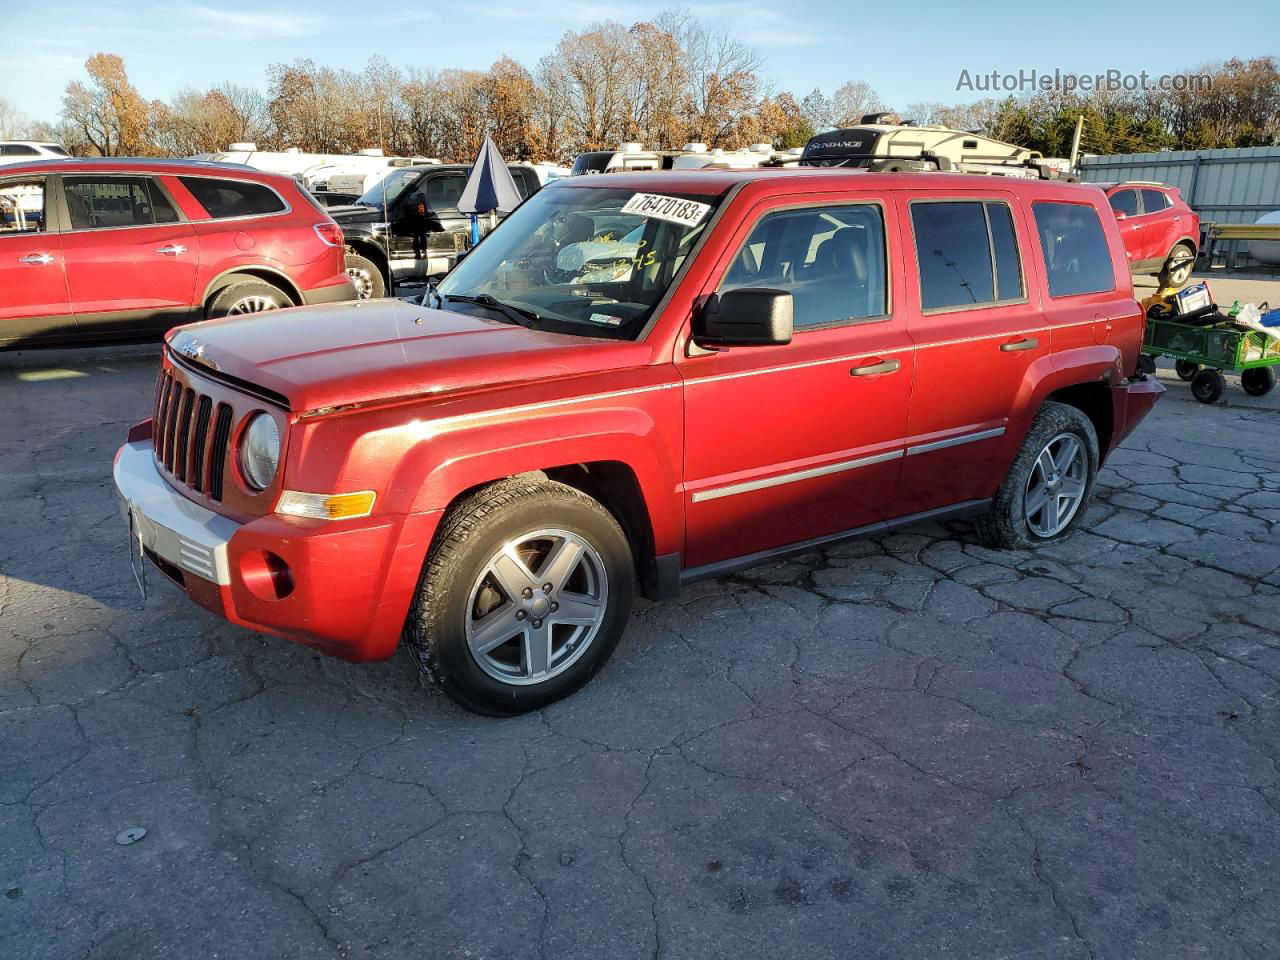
(326,506)
(265,575)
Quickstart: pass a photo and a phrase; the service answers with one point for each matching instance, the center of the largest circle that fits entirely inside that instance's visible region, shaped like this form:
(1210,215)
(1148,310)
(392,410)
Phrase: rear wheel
(1048,487)
(524,597)
(1186,370)
(1177,269)
(1258,381)
(365,277)
(247,296)
(1207,386)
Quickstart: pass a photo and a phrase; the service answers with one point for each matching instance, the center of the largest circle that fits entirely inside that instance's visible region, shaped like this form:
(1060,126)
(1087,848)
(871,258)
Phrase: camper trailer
(884,143)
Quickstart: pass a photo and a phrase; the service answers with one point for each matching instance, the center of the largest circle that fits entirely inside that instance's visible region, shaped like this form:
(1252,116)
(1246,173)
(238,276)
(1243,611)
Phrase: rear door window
(1153,201)
(102,202)
(225,199)
(22,206)
(444,191)
(967,251)
(1126,202)
(1076,256)
(831,260)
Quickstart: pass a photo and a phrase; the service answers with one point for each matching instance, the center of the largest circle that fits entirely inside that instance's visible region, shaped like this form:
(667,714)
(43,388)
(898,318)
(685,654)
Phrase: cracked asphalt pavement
(904,747)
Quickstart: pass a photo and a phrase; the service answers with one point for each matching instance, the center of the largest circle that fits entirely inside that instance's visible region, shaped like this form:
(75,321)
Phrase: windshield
(385,191)
(589,261)
(597,162)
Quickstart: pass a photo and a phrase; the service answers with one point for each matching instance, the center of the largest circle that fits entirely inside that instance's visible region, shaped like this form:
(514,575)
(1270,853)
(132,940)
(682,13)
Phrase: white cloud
(271,23)
(758,24)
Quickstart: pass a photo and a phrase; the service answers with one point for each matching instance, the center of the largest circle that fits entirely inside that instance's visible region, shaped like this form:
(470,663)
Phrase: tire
(366,277)
(1258,381)
(1008,522)
(1186,370)
(1146,364)
(1207,386)
(463,599)
(247,296)
(1177,269)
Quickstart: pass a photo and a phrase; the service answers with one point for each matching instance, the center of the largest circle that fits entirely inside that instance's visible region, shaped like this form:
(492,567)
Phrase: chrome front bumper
(185,534)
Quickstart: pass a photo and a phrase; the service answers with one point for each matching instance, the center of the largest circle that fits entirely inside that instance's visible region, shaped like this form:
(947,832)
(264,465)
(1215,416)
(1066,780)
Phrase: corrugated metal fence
(1223,186)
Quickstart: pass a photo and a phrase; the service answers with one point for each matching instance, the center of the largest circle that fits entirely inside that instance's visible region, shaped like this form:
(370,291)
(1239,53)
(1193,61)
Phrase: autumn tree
(108,111)
(511,102)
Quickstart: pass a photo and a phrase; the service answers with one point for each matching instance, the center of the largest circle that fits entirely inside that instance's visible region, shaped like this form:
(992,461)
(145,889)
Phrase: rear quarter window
(224,199)
(1076,256)
(1153,201)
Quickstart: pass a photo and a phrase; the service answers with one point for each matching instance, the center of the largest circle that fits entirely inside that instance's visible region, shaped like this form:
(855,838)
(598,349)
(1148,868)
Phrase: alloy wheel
(362,281)
(536,607)
(1056,486)
(257,303)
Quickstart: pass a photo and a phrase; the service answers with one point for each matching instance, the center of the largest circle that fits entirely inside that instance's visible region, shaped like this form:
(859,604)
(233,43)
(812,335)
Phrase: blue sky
(909,51)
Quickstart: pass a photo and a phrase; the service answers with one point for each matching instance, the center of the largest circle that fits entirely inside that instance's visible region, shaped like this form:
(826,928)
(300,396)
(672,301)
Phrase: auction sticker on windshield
(655,205)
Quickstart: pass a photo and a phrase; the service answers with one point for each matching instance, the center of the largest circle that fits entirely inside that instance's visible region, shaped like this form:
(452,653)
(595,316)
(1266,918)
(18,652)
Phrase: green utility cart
(1203,343)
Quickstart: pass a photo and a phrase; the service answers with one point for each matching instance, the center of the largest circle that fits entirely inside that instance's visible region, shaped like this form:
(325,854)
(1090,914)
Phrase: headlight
(260,451)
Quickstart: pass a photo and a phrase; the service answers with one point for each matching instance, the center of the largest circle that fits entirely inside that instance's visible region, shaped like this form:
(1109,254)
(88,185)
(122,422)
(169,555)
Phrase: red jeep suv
(634,382)
(1161,233)
(116,248)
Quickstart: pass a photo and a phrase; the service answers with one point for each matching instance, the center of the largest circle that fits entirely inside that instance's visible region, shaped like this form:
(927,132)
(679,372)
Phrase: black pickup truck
(408,225)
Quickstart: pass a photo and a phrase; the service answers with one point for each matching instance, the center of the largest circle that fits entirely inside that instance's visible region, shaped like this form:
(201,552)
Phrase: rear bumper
(331,293)
(342,587)
(1131,401)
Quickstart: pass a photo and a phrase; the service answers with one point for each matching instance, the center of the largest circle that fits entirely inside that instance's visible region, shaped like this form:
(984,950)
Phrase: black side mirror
(752,316)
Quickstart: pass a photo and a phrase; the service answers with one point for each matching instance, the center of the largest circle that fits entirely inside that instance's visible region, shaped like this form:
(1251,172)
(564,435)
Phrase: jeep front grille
(188,450)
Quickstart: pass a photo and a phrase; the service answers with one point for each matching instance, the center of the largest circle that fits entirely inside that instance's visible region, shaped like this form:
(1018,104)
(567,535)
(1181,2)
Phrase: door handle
(37,259)
(871,369)
(171,249)
(1026,343)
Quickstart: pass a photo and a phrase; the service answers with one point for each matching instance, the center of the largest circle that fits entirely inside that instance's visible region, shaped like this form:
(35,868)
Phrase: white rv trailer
(315,171)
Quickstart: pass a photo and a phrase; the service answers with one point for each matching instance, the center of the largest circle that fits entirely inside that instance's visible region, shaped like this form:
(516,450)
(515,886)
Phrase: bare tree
(817,109)
(853,100)
(723,83)
(13,124)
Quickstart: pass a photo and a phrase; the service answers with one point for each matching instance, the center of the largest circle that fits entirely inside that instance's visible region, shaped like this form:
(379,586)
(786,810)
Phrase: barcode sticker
(655,205)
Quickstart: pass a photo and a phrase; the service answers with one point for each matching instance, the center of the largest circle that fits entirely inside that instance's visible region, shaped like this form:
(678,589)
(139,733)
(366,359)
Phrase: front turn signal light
(326,506)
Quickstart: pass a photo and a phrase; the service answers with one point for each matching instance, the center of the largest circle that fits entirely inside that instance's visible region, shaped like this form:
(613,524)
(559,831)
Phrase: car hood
(377,350)
(355,213)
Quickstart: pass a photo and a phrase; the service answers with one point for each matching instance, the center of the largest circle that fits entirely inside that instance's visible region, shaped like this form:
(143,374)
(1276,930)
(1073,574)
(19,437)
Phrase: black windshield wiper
(524,318)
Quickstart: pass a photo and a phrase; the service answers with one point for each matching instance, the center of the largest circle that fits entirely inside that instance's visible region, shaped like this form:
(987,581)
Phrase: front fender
(417,463)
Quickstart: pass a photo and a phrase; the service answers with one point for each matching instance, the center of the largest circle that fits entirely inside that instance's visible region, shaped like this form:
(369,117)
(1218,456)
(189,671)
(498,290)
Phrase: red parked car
(634,382)
(115,248)
(1161,233)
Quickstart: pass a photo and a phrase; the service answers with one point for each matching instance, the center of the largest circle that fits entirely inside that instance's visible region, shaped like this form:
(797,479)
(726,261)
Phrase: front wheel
(1186,370)
(365,277)
(1047,489)
(1258,381)
(1207,386)
(524,597)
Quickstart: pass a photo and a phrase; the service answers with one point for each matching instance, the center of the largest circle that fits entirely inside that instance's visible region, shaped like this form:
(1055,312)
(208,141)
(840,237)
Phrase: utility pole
(1075,142)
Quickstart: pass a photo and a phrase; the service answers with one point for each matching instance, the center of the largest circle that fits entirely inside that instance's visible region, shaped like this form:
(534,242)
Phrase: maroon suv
(118,248)
(1161,233)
